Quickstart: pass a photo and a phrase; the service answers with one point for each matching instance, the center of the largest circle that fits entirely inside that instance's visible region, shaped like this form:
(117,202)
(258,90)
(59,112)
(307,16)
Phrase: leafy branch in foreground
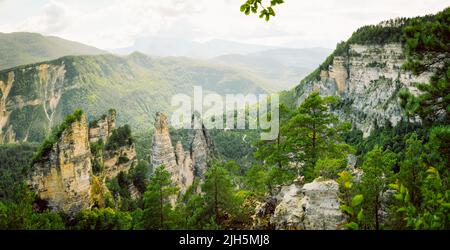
(253,6)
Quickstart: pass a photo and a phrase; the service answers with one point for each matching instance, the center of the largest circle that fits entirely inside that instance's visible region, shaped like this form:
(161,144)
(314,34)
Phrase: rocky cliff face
(63,176)
(183,165)
(29,98)
(102,128)
(313,206)
(177,162)
(186,170)
(202,151)
(367,79)
(114,161)
(120,160)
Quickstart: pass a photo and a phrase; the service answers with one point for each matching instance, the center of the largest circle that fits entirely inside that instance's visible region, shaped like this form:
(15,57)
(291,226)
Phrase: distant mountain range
(169,46)
(282,67)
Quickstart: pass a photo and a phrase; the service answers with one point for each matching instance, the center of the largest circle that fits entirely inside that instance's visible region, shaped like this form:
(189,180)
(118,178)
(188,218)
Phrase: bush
(119,138)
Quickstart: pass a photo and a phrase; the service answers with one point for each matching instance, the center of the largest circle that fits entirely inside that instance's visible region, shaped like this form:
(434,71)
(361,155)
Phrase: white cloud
(55,18)
(114,23)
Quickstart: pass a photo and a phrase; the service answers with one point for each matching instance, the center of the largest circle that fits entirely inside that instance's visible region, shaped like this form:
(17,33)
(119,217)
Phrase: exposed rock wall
(63,177)
(313,206)
(177,162)
(102,128)
(30,98)
(201,151)
(183,165)
(367,79)
(120,160)
(163,152)
(185,169)
(113,161)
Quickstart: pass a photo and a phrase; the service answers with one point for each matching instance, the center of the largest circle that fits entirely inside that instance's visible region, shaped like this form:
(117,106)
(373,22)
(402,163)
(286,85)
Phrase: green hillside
(25,48)
(137,86)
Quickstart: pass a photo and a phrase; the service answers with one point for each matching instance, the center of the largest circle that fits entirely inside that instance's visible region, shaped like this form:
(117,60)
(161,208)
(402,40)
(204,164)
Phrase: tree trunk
(377,223)
(161,207)
(216,202)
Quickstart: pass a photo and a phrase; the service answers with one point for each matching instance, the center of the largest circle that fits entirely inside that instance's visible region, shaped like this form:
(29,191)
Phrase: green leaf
(398,197)
(357,200)
(346,209)
(352,226)
(403,189)
(407,197)
(360,215)
(401,210)
(393,186)
(418,223)
(446,205)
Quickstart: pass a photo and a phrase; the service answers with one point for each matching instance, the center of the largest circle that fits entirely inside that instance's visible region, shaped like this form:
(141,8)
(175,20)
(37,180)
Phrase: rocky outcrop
(177,162)
(115,160)
(367,79)
(185,168)
(183,165)
(202,151)
(102,128)
(312,206)
(120,160)
(163,152)
(63,175)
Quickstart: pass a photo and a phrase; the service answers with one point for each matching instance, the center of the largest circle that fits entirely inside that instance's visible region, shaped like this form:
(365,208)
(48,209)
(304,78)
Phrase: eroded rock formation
(202,151)
(183,165)
(177,162)
(312,206)
(120,160)
(116,160)
(103,127)
(63,176)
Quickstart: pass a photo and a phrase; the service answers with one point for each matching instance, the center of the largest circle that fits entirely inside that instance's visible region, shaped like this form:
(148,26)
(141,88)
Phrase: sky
(109,24)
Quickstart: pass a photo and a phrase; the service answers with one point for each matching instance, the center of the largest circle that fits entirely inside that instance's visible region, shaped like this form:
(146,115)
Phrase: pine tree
(275,157)
(218,193)
(428,49)
(412,168)
(377,169)
(313,132)
(157,199)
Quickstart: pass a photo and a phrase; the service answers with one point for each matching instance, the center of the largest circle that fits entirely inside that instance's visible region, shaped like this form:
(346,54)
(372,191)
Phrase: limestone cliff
(202,151)
(120,160)
(367,78)
(116,160)
(186,171)
(103,127)
(177,162)
(312,206)
(63,174)
(183,165)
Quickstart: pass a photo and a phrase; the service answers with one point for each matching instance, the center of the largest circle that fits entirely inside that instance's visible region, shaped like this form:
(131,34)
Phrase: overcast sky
(113,23)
